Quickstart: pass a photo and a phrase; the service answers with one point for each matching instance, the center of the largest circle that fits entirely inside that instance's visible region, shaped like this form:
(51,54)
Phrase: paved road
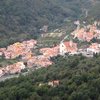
(3,78)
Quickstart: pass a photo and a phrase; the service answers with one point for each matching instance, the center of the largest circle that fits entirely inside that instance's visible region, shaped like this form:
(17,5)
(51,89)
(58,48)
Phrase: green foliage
(94,12)
(4,62)
(79,80)
(22,19)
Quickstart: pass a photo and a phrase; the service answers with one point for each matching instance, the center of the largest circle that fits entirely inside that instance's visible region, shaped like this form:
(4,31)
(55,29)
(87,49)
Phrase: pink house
(50,52)
(15,68)
(41,61)
(2,50)
(54,83)
(7,54)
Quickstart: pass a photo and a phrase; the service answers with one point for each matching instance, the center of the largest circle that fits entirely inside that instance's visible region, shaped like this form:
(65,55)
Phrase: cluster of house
(86,33)
(25,48)
(44,58)
(18,49)
(71,48)
(40,61)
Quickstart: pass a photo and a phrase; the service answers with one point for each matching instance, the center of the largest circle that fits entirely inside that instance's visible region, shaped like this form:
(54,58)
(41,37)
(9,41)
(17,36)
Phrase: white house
(68,47)
(94,48)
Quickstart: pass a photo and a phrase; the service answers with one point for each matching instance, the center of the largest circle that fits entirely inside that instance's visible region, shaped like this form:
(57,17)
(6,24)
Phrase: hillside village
(30,60)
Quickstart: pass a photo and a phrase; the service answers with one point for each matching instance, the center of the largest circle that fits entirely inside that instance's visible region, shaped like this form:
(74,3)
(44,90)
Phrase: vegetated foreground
(70,78)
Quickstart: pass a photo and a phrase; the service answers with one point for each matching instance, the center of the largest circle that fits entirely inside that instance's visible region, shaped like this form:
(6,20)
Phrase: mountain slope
(22,19)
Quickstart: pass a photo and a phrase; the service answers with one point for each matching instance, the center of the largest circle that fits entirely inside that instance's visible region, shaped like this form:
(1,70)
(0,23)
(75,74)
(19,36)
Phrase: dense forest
(22,19)
(79,80)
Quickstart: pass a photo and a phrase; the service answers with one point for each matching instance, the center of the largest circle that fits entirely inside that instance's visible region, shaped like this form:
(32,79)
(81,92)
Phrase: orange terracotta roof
(94,46)
(70,46)
(50,52)
(82,33)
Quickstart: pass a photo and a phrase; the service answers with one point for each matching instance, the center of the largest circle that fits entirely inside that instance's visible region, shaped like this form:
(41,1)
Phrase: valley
(49,50)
